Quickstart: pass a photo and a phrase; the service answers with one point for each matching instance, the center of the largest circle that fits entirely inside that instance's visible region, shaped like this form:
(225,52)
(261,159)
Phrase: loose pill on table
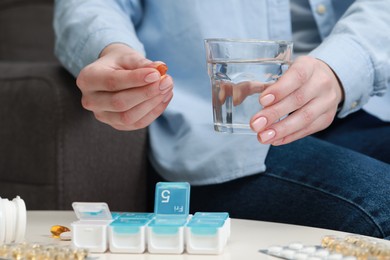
(66,236)
(56,230)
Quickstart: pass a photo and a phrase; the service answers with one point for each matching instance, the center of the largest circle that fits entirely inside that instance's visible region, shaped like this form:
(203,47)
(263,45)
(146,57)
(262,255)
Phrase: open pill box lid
(172,199)
(92,210)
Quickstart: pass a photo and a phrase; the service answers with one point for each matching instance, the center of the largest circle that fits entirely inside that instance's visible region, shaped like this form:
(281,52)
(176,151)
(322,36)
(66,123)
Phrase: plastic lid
(203,222)
(212,215)
(137,215)
(21,219)
(92,210)
(172,199)
(9,227)
(168,222)
(130,222)
(2,222)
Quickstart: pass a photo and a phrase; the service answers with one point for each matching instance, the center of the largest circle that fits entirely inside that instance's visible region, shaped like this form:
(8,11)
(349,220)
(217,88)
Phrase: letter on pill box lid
(92,210)
(172,199)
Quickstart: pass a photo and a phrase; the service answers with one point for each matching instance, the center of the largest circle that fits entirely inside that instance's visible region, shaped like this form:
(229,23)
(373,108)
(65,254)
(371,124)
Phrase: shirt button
(321,9)
(354,104)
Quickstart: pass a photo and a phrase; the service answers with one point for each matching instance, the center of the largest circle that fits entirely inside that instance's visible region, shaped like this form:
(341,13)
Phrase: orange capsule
(162,68)
(57,230)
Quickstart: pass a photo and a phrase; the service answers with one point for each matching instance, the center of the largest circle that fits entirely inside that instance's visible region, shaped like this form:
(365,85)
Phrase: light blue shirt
(184,144)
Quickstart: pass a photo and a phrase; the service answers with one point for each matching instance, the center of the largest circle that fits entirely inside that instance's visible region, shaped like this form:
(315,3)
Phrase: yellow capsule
(56,230)
(4,250)
(328,241)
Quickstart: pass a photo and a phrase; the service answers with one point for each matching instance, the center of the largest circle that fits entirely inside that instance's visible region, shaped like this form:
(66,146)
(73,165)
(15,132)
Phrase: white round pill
(295,246)
(300,256)
(321,253)
(308,249)
(288,253)
(274,250)
(335,256)
(66,236)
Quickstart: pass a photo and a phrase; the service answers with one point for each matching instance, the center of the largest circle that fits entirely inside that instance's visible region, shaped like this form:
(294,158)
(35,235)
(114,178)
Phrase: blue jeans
(315,181)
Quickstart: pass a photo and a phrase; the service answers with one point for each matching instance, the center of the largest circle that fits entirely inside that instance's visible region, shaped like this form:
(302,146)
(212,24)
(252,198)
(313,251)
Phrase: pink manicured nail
(259,123)
(267,135)
(267,100)
(165,83)
(152,77)
(167,97)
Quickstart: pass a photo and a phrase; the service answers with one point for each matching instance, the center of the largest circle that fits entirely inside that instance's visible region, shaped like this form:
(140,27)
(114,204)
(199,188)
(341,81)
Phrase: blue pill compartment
(165,233)
(172,199)
(207,233)
(127,233)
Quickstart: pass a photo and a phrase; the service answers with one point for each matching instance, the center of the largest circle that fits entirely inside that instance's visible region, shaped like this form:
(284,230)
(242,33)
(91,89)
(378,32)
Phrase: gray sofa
(52,151)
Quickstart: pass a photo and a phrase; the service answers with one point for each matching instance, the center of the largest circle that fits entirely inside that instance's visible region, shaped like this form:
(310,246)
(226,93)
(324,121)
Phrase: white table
(247,237)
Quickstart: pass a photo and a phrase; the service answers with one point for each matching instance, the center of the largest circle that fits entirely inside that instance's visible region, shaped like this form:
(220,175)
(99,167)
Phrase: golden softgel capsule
(57,230)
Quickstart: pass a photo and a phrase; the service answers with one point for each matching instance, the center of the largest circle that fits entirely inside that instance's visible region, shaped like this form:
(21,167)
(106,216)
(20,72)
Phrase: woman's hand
(309,93)
(123,89)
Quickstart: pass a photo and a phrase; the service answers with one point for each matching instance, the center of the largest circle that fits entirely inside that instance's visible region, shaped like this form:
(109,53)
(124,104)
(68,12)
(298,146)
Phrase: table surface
(247,237)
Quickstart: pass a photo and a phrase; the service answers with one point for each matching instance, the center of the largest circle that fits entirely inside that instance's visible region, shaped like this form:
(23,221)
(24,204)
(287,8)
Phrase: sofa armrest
(53,152)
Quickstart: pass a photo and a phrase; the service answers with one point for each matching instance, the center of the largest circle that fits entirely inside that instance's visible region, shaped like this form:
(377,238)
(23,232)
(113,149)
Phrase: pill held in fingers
(162,68)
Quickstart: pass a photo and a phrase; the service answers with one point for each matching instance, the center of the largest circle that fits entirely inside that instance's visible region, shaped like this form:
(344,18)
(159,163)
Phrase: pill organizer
(171,209)
(90,230)
(170,229)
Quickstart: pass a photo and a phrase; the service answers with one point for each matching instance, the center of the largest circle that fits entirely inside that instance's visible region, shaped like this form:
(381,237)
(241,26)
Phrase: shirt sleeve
(357,49)
(84,28)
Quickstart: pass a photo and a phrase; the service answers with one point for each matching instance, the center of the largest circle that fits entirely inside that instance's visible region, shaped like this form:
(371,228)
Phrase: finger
(138,117)
(301,120)
(293,102)
(132,61)
(126,99)
(246,88)
(225,90)
(318,125)
(296,76)
(105,79)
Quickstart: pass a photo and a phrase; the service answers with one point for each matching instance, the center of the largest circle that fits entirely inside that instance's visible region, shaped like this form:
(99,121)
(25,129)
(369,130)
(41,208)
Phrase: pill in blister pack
(300,251)
(351,247)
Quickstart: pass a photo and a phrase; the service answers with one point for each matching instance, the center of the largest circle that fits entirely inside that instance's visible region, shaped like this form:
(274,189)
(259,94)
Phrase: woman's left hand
(309,93)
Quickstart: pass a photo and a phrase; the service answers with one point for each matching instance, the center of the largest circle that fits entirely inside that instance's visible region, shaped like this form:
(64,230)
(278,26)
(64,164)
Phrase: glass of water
(240,70)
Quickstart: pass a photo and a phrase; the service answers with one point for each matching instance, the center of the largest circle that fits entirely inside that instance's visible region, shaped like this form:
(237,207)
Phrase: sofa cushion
(53,152)
(26,30)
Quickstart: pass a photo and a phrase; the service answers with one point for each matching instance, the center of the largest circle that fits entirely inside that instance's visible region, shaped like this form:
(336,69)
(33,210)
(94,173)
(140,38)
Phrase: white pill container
(13,218)
(90,230)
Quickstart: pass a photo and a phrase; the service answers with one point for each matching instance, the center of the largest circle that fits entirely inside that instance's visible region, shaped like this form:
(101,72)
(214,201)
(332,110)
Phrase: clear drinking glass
(239,70)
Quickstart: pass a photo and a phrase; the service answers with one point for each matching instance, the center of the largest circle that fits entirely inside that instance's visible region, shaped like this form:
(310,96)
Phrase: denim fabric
(314,182)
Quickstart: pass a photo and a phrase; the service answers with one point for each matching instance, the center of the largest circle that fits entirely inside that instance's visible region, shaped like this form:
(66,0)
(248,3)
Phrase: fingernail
(167,97)
(267,100)
(259,123)
(165,83)
(267,135)
(152,77)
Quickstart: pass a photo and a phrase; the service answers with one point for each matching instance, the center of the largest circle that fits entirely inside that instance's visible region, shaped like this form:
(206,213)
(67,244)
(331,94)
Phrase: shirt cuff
(352,66)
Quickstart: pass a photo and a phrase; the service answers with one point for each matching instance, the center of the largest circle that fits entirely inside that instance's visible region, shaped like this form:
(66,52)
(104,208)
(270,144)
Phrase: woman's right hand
(123,89)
